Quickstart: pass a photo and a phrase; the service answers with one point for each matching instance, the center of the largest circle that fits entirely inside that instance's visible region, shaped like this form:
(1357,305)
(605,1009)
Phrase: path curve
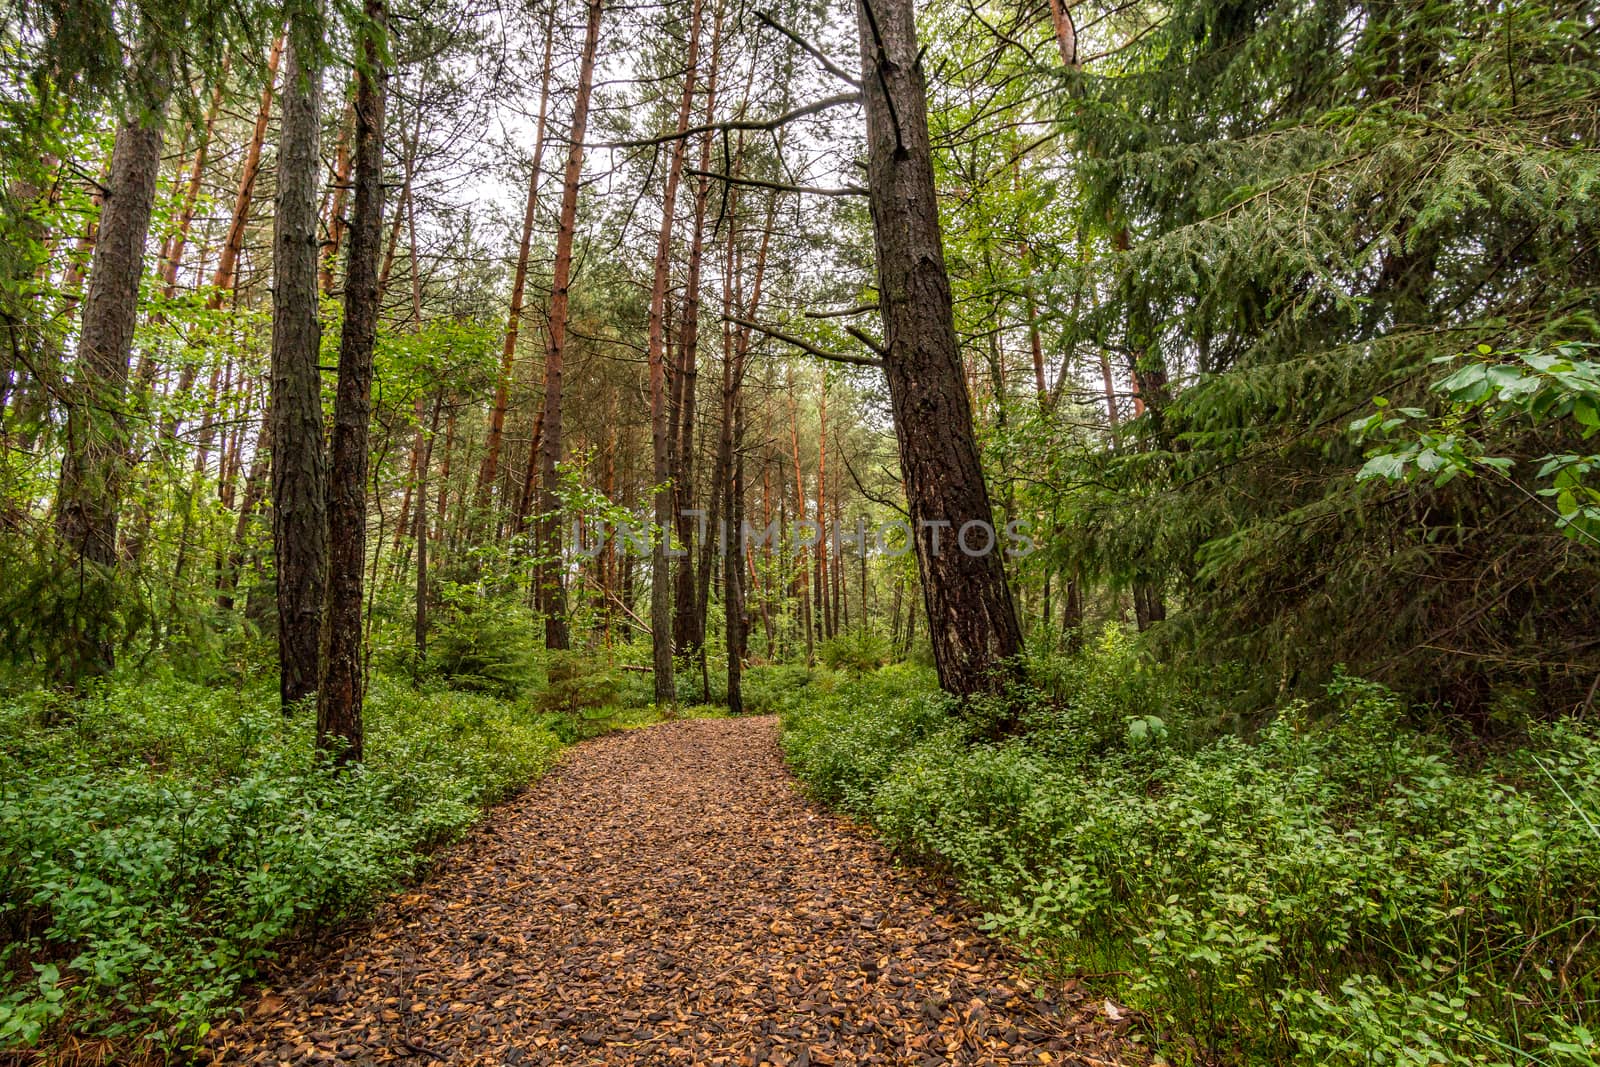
(667,896)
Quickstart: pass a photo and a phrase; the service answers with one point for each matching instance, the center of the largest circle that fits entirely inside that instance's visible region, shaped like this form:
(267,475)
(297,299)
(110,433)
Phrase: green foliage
(855,650)
(1285,210)
(1483,396)
(482,644)
(158,840)
(1337,888)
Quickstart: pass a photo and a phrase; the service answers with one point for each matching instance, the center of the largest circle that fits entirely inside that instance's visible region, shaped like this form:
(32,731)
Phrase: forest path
(667,896)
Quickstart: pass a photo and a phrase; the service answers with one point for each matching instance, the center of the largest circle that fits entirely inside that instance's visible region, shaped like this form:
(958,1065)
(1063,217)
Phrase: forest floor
(668,896)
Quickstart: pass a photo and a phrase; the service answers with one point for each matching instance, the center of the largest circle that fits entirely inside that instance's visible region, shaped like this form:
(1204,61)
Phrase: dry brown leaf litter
(667,896)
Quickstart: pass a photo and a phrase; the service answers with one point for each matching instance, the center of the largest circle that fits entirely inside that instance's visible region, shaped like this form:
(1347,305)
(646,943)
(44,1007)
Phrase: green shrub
(483,645)
(1338,888)
(158,841)
(855,650)
(766,686)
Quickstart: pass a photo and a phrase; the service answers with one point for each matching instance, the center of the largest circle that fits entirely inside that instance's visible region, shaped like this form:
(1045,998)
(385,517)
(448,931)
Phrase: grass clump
(1337,886)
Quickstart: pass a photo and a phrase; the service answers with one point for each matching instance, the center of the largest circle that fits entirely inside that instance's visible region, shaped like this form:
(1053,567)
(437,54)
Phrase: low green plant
(160,840)
(1336,886)
(855,650)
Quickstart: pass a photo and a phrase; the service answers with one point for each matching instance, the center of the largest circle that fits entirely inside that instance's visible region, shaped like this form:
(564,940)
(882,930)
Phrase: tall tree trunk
(299,459)
(342,689)
(661,616)
(557,634)
(95,459)
(971,617)
(340,189)
(424,445)
(508,353)
(824,600)
(689,623)
(172,250)
(733,557)
(224,278)
(802,583)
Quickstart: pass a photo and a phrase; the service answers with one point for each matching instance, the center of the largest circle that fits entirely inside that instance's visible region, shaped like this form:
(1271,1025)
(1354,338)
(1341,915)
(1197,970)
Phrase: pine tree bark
(502,394)
(343,684)
(971,618)
(94,465)
(661,614)
(689,623)
(553,600)
(299,460)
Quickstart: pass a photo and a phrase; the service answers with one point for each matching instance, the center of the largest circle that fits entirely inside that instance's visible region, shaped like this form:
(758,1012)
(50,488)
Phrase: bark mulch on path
(667,896)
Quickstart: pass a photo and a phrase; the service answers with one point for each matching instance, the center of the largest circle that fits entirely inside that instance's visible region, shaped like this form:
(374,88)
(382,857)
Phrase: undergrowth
(1334,885)
(160,840)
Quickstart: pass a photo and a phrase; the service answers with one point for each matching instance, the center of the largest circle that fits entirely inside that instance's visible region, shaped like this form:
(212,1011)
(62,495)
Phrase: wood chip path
(667,896)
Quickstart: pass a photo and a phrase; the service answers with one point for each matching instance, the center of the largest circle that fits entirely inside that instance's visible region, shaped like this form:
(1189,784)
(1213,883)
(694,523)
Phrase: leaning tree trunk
(339,697)
(971,618)
(95,462)
(553,599)
(299,461)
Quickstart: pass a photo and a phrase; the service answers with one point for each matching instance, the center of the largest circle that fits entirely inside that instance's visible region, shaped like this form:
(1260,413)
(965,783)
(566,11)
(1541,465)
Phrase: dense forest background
(342,343)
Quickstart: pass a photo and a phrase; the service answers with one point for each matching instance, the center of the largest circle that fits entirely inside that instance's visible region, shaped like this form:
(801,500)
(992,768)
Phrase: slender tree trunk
(424,444)
(508,353)
(971,617)
(557,634)
(342,689)
(335,223)
(255,490)
(94,465)
(661,616)
(172,250)
(802,583)
(824,600)
(299,459)
(689,623)
(733,558)
(224,277)
(420,536)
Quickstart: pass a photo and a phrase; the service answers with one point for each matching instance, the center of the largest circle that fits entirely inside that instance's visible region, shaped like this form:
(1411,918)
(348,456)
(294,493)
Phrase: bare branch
(740,124)
(827,64)
(806,346)
(814,190)
(845,313)
(867,339)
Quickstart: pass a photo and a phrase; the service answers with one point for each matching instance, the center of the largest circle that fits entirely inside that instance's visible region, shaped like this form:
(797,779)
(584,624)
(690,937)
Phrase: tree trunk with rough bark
(343,684)
(95,461)
(688,623)
(971,618)
(299,458)
(661,615)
